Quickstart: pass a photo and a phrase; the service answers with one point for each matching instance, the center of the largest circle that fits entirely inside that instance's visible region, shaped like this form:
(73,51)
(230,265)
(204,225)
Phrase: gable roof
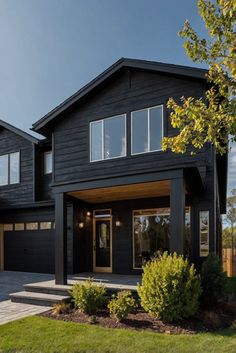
(19,132)
(154,66)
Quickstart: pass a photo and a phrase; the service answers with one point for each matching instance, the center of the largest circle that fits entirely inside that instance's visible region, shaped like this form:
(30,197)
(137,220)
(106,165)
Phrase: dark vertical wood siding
(11,195)
(126,93)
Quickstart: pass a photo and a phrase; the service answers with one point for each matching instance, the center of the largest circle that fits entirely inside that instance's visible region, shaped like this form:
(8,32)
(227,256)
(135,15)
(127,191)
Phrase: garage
(29,250)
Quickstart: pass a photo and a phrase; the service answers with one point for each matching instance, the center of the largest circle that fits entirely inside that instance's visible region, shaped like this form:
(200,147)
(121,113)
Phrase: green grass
(43,335)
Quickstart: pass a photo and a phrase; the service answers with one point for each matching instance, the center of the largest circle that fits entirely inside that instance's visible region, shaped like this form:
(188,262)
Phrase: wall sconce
(118,222)
(88,213)
(81,225)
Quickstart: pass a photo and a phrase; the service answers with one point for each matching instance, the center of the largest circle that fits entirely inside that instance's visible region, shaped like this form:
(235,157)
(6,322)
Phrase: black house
(97,193)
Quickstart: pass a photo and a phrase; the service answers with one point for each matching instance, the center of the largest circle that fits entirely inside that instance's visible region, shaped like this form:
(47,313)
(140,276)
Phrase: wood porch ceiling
(124,192)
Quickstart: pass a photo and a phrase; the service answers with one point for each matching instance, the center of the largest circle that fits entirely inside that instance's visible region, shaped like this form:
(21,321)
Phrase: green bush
(121,305)
(170,288)
(88,297)
(213,280)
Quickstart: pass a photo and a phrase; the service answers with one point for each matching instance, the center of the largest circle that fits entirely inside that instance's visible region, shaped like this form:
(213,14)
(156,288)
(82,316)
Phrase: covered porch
(118,197)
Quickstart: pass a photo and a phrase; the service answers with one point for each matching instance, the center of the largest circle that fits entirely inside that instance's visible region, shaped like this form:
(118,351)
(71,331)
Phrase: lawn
(43,335)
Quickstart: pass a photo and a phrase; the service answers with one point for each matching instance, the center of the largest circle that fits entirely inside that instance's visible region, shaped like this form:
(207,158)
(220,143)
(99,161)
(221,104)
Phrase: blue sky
(50,48)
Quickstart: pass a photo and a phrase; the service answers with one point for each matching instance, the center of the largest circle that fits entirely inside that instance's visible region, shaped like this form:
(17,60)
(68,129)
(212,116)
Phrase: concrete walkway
(11,282)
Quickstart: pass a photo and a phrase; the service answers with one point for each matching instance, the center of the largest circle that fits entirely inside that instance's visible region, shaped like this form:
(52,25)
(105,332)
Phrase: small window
(48,162)
(204,233)
(8,227)
(14,168)
(45,225)
(108,138)
(146,130)
(10,168)
(32,226)
(19,226)
(102,213)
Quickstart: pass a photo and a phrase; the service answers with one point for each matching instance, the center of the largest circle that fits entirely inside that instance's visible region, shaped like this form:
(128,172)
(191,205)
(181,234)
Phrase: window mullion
(103,142)
(149,143)
(9,168)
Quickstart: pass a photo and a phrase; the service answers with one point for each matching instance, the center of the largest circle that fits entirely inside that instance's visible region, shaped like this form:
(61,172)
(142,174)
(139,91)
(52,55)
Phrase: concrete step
(43,299)
(57,290)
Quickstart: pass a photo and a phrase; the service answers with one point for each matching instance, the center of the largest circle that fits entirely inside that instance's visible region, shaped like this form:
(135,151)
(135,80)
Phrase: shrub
(121,305)
(88,297)
(214,281)
(170,288)
(61,308)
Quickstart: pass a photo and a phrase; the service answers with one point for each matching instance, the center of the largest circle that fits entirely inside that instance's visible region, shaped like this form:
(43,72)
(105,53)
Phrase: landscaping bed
(204,321)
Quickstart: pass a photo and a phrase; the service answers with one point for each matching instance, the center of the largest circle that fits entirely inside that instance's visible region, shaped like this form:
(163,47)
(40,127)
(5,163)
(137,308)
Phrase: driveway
(11,282)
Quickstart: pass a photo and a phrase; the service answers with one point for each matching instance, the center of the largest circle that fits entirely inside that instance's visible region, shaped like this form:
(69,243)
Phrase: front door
(102,245)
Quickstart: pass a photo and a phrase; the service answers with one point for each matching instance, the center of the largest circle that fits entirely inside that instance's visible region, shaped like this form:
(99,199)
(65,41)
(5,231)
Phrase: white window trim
(90,139)
(9,168)
(149,140)
(44,162)
(208,245)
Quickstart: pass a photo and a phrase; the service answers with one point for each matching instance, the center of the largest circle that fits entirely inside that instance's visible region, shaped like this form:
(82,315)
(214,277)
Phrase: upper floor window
(48,162)
(108,138)
(10,168)
(146,130)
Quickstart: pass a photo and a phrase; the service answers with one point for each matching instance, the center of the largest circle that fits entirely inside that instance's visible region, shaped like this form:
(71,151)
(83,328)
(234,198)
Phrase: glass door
(102,245)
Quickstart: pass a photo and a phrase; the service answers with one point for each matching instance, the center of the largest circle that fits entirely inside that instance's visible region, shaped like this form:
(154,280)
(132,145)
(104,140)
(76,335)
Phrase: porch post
(60,239)
(177,215)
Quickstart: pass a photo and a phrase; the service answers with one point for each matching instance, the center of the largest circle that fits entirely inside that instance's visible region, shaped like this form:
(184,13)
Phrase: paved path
(11,282)
(13,311)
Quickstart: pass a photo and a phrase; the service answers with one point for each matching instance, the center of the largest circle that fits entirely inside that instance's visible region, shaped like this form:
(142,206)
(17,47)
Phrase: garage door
(29,251)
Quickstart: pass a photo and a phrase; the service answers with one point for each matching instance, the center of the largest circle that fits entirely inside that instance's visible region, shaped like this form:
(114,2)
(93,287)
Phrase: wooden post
(60,239)
(177,215)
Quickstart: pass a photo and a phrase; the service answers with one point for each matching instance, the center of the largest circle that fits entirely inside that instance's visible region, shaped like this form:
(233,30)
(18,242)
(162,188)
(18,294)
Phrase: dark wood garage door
(29,251)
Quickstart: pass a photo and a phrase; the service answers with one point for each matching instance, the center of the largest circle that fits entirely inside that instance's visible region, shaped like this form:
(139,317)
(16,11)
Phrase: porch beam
(177,215)
(60,239)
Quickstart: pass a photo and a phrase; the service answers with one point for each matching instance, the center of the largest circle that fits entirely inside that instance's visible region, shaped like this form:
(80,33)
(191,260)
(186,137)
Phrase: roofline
(19,132)
(121,63)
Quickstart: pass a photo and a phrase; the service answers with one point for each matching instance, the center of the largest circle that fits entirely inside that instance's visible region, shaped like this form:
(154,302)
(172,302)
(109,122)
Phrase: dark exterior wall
(43,190)
(36,214)
(126,93)
(13,195)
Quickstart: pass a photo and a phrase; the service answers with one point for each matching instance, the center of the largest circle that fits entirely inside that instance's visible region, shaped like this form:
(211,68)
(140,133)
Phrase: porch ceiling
(124,192)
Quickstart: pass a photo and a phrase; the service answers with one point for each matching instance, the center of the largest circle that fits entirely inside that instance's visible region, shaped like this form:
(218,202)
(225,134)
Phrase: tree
(231,219)
(212,119)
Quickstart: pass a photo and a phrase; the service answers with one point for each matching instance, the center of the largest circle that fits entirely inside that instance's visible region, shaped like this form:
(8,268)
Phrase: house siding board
(123,95)
(17,194)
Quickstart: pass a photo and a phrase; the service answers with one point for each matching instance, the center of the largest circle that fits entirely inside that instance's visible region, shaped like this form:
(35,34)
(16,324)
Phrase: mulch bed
(204,320)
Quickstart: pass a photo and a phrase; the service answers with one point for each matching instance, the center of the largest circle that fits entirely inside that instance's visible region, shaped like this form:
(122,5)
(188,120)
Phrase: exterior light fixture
(81,225)
(88,213)
(118,222)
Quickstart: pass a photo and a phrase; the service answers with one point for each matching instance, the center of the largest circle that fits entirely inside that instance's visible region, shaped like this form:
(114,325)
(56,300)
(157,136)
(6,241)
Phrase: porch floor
(110,281)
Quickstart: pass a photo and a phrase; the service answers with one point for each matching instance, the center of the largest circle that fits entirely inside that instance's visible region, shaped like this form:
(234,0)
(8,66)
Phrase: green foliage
(214,118)
(170,288)
(121,305)
(213,281)
(88,297)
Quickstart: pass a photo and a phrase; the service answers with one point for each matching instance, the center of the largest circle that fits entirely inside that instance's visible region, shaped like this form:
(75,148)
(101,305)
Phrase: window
(10,168)
(14,168)
(45,225)
(146,130)
(32,226)
(102,213)
(48,162)
(8,227)
(204,233)
(108,138)
(151,233)
(19,226)
(4,170)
